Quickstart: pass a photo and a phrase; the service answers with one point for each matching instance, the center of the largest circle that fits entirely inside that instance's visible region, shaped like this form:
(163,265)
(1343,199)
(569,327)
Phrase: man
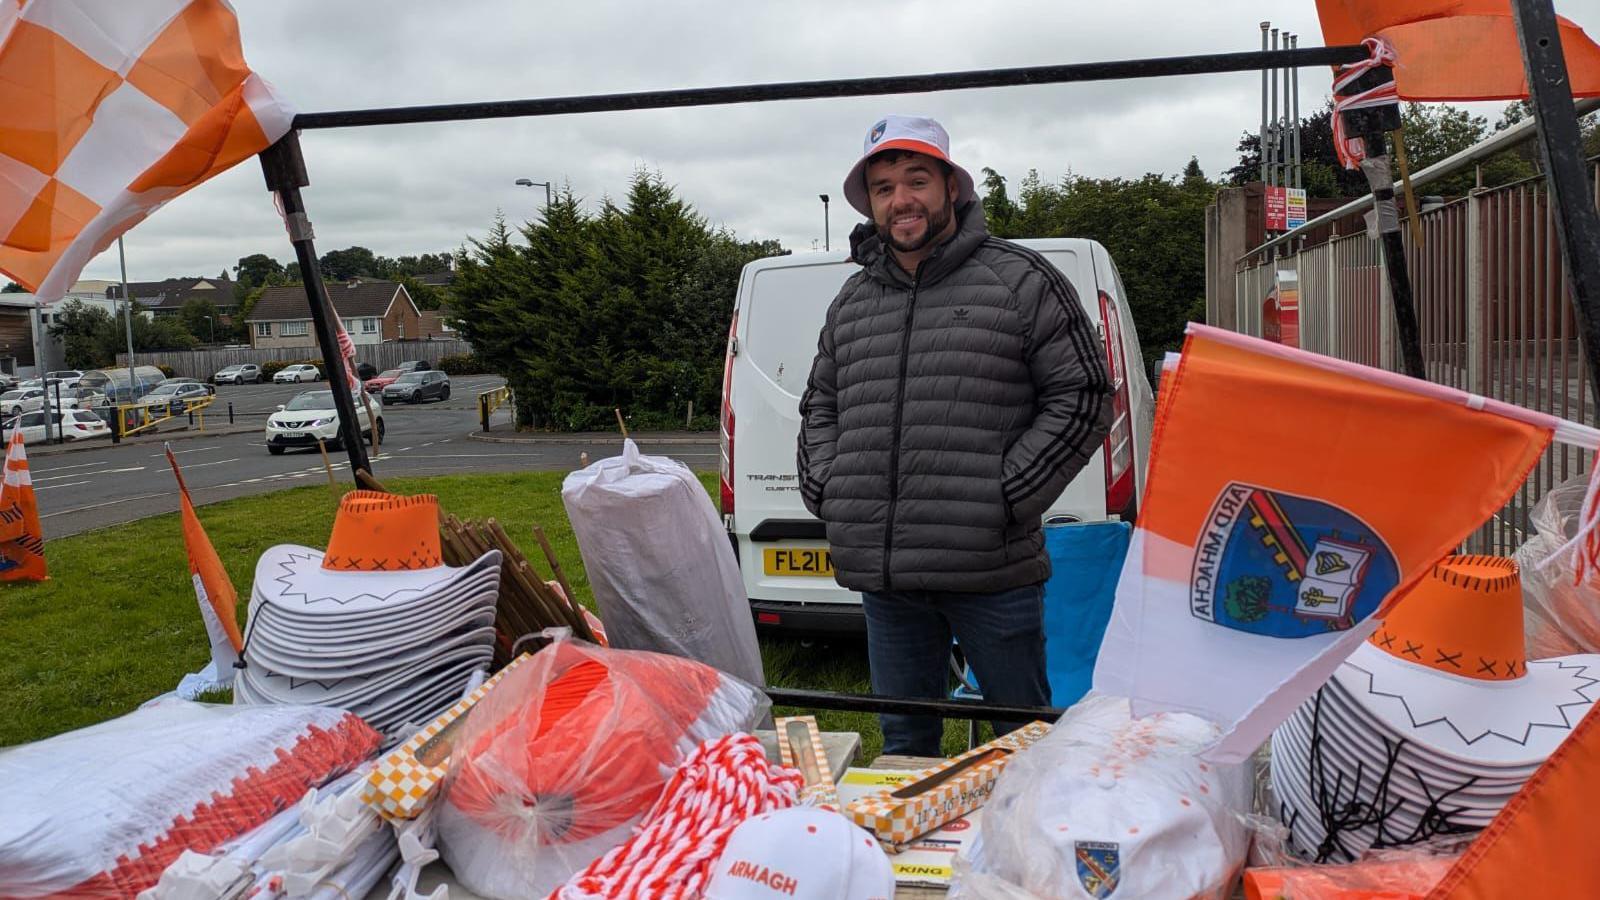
(958,387)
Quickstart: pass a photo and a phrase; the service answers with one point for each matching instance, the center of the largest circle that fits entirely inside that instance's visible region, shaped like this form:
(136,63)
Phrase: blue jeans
(908,648)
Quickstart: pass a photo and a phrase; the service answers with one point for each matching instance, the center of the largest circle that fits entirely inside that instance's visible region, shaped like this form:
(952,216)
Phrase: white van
(772,340)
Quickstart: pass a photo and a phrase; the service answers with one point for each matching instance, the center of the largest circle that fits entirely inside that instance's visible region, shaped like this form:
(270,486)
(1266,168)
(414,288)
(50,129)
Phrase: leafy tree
(426,296)
(200,319)
(257,269)
(343,265)
(1245,598)
(81,329)
(627,307)
(12,288)
(1153,227)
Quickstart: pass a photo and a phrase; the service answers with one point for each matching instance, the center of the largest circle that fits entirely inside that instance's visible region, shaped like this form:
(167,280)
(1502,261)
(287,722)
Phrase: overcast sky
(755,168)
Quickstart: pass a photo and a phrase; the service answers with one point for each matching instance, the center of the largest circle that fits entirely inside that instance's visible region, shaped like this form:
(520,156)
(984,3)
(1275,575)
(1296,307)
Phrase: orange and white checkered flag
(21,538)
(109,110)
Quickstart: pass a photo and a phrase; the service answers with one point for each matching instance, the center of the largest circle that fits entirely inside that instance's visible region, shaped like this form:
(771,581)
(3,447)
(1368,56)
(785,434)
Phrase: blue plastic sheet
(1086,560)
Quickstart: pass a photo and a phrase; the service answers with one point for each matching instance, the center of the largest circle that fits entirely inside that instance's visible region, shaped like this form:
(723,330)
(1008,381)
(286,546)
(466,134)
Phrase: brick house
(373,311)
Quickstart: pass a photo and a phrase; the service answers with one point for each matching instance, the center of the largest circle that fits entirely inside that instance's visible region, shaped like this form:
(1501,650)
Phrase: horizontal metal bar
(953,709)
(844,87)
(1489,146)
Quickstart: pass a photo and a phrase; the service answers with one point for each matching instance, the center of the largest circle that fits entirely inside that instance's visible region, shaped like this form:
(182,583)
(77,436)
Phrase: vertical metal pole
(127,305)
(39,364)
(1272,158)
(1561,151)
(1288,124)
(285,171)
(1294,115)
(1398,274)
(1263,142)
(1475,292)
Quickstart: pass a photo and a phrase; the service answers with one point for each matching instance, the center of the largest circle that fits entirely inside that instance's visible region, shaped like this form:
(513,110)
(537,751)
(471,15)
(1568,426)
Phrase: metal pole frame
(953,709)
(1561,151)
(285,170)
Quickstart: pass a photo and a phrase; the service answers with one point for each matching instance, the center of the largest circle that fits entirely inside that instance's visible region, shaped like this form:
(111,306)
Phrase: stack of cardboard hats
(1432,724)
(378,625)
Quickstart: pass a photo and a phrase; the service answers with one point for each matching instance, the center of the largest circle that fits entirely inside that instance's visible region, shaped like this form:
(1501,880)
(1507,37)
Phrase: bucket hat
(915,133)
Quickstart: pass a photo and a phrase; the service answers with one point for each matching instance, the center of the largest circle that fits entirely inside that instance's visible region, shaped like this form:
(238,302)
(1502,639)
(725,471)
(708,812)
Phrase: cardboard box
(403,783)
(822,791)
(941,794)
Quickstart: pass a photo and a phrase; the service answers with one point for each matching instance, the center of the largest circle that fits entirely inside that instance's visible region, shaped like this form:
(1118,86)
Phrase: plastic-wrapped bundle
(556,765)
(101,812)
(1562,612)
(1110,804)
(663,573)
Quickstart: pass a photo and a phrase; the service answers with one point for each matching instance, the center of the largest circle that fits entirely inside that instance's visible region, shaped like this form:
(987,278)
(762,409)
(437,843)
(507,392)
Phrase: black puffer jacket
(945,412)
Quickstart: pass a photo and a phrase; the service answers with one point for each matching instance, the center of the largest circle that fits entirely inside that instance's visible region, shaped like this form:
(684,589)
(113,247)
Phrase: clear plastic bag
(1561,616)
(101,812)
(658,557)
(559,762)
(1106,804)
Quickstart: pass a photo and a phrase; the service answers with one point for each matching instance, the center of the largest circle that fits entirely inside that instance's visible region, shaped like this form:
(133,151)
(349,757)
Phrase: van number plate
(817,562)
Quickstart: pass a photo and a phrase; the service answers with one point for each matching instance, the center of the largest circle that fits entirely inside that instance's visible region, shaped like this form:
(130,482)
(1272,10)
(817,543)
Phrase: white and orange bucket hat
(918,134)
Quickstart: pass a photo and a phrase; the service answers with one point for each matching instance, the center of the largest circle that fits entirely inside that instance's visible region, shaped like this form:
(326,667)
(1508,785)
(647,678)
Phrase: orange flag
(21,538)
(109,110)
(1542,843)
(212,588)
(1455,49)
(1291,497)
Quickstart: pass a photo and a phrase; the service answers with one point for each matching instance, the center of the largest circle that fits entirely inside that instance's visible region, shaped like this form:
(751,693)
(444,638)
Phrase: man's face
(913,202)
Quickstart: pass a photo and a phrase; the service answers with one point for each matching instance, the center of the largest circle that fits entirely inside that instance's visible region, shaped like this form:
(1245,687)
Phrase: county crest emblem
(1280,565)
(1099,866)
(877,132)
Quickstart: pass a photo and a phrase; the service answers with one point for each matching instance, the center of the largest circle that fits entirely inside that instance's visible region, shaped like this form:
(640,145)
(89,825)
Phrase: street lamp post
(127,299)
(825,243)
(211,324)
(527,182)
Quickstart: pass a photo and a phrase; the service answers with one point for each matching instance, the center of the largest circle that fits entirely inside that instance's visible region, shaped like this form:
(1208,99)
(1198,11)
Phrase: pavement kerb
(604,437)
(179,434)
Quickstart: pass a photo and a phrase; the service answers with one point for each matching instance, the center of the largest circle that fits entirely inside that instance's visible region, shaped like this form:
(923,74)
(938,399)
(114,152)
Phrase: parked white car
(81,398)
(26,399)
(72,424)
(245,373)
(296,374)
(67,377)
(172,397)
(772,341)
(311,417)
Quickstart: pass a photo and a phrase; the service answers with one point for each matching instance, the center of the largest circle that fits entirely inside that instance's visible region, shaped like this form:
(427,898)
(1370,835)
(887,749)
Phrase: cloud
(755,168)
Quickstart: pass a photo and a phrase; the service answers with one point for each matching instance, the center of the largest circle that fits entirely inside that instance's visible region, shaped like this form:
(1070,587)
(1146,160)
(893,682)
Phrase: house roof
(357,298)
(172,293)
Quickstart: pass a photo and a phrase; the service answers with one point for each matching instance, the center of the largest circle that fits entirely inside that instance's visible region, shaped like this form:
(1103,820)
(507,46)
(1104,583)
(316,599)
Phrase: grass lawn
(117,623)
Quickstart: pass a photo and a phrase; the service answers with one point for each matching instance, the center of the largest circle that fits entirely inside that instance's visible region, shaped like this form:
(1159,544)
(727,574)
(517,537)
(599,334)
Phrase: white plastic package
(101,812)
(564,757)
(1561,615)
(1106,804)
(658,558)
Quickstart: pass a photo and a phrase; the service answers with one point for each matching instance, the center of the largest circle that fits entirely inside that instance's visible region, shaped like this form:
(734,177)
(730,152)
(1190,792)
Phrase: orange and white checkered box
(825,792)
(403,783)
(899,815)
(107,111)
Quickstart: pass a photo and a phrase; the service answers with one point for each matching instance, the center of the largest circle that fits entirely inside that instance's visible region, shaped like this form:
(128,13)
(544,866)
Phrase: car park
(23,399)
(81,398)
(779,309)
(297,373)
(68,378)
(210,389)
(71,424)
(172,397)
(415,387)
(311,417)
(243,373)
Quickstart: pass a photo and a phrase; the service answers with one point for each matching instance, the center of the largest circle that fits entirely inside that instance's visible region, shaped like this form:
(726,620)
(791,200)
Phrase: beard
(936,224)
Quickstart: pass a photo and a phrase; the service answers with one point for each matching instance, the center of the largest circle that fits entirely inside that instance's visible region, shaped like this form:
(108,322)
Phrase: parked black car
(415,387)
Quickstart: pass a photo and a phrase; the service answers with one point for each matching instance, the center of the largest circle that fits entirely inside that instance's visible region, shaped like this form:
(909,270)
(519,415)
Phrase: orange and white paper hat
(1447,670)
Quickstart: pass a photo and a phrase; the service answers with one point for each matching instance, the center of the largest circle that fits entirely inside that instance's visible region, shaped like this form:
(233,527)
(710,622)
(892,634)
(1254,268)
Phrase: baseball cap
(801,852)
(915,133)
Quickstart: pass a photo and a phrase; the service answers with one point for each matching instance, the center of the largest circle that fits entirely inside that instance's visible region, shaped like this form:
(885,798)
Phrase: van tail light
(727,421)
(1119,441)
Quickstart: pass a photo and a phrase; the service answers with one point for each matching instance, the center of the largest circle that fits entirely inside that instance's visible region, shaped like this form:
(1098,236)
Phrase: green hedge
(273,366)
(167,370)
(462,364)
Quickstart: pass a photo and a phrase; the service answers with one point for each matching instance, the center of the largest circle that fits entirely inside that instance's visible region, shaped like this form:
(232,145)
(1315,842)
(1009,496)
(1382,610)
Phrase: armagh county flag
(21,538)
(214,591)
(1456,49)
(107,111)
(1290,497)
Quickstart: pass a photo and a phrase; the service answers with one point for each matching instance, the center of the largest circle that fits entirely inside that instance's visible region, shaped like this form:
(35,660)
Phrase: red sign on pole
(1277,207)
